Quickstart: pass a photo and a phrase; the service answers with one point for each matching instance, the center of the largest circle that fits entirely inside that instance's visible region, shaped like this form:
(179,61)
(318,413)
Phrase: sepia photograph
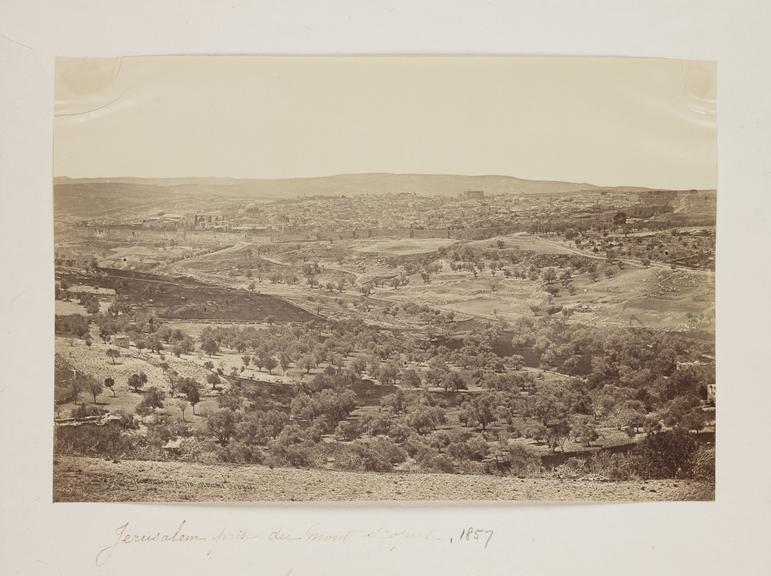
(451,279)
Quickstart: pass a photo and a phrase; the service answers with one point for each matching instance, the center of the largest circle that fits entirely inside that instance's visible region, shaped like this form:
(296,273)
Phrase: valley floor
(78,479)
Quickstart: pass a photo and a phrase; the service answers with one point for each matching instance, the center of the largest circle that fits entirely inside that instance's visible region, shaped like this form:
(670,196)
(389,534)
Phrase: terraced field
(185,298)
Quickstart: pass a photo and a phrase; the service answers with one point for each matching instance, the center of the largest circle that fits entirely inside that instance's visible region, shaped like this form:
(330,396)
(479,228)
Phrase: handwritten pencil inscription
(125,535)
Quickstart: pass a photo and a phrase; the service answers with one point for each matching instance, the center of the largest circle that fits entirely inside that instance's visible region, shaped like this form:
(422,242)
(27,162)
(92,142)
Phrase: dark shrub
(91,440)
(316,430)
(612,466)
(372,460)
(347,431)
(126,421)
(468,448)
(241,452)
(163,428)
(85,411)
(223,423)
(522,462)
(390,451)
(74,324)
(666,454)
(572,468)
(431,460)
(413,444)
(399,432)
(377,425)
(703,467)
(346,458)
(374,455)
(297,455)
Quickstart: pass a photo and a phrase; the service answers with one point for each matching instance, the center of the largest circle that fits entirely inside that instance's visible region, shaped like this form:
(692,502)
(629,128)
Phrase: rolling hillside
(89,197)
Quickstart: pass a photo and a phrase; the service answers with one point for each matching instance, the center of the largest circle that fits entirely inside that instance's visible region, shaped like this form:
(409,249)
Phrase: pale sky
(638,122)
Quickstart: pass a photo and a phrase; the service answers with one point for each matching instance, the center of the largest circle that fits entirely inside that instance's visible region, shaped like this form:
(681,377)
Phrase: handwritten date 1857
(471,534)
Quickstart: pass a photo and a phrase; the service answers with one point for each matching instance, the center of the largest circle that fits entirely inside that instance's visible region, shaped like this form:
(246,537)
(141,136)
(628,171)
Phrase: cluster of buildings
(411,215)
(407,214)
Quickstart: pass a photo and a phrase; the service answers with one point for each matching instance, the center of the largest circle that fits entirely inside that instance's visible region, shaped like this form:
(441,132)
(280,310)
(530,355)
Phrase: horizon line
(344,174)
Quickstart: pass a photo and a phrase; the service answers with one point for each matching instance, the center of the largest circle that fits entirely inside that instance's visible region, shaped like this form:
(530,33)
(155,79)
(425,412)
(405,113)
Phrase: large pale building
(474,195)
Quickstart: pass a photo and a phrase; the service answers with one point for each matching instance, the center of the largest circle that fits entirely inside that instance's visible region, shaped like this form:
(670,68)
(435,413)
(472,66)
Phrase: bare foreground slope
(97,480)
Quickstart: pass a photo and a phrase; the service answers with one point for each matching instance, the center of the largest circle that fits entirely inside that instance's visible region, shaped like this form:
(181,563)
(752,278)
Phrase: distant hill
(88,198)
(91,196)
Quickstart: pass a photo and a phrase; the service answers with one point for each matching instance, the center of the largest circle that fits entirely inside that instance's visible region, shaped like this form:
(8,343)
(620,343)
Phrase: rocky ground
(79,479)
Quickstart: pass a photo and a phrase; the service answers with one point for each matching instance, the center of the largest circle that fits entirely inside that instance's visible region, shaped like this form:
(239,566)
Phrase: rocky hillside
(91,479)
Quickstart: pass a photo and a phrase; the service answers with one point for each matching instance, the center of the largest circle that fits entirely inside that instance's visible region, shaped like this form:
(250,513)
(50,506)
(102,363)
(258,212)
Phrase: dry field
(62,308)
(523,241)
(659,298)
(97,480)
(401,246)
(662,299)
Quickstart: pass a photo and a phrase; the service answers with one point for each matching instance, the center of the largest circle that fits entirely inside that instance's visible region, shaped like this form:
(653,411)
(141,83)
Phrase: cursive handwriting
(125,535)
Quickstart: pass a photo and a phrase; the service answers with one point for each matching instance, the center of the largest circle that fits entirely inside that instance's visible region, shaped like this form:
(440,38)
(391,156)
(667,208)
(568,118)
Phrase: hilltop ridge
(82,196)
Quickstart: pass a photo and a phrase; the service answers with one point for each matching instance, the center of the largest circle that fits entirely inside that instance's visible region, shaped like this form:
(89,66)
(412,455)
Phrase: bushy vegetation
(71,325)
(358,396)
